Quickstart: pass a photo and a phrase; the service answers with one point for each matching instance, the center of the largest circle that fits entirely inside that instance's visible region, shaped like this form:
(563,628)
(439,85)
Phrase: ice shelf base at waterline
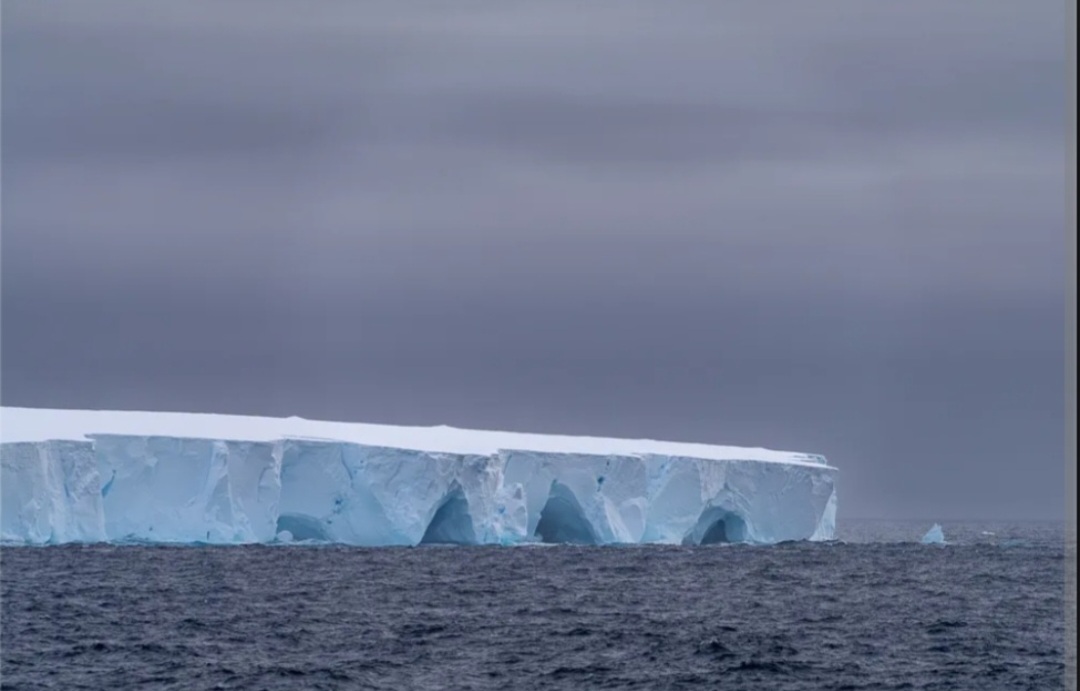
(92,476)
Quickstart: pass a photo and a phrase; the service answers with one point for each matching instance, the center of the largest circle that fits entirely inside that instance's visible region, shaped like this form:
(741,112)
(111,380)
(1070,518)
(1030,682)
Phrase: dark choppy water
(872,613)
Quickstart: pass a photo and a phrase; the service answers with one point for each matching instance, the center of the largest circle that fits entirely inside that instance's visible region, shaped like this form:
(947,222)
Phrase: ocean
(873,610)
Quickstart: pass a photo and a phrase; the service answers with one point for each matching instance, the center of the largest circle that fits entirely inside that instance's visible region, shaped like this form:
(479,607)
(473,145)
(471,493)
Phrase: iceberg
(934,536)
(108,476)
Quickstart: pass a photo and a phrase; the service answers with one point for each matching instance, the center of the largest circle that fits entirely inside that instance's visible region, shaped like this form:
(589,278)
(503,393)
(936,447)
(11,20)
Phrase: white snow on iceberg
(88,476)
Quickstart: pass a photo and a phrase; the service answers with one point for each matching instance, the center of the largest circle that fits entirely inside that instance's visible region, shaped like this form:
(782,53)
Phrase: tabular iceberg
(91,476)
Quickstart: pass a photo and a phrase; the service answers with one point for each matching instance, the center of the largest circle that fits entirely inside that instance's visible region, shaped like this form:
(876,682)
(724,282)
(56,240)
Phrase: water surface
(878,611)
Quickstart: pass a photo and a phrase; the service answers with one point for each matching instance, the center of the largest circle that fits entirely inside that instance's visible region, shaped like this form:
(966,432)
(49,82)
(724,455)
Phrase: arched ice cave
(717,526)
(303,527)
(562,520)
(452,524)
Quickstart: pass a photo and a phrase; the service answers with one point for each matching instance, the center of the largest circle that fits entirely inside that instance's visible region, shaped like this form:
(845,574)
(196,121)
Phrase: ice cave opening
(303,527)
(562,519)
(717,526)
(452,524)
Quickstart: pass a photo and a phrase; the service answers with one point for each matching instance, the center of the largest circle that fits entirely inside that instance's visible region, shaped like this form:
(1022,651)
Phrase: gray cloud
(836,228)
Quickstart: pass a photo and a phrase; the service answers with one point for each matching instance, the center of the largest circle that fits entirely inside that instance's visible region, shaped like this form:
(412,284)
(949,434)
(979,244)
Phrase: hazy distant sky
(824,226)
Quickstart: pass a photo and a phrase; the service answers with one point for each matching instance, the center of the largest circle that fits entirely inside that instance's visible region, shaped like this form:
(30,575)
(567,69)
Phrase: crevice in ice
(302,527)
(452,524)
(717,526)
(562,519)
(107,487)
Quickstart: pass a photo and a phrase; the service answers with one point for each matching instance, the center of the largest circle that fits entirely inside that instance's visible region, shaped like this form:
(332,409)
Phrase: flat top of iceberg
(40,424)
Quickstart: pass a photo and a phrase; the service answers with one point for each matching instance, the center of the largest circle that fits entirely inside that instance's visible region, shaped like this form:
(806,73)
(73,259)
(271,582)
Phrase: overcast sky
(834,227)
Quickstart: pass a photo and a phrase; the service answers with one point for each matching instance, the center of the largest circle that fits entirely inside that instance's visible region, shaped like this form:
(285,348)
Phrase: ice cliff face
(50,493)
(184,479)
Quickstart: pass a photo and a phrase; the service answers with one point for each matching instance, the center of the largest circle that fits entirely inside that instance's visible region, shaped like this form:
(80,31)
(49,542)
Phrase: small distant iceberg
(934,536)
